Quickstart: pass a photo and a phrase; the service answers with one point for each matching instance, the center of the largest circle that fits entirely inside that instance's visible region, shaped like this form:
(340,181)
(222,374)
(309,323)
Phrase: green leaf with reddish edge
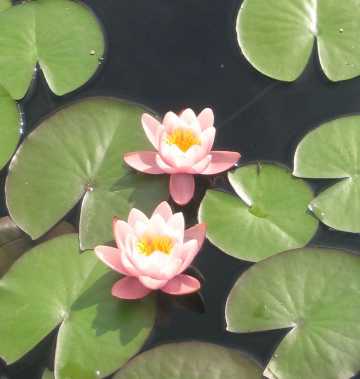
(78,152)
(191,360)
(316,293)
(277,36)
(332,151)
(10,124)
(63,36)
(269,216)
(53,284)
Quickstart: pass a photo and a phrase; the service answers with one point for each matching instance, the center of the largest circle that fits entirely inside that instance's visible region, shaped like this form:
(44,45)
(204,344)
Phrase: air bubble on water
(98,373)
(222,65)
(92,52)
(341,30)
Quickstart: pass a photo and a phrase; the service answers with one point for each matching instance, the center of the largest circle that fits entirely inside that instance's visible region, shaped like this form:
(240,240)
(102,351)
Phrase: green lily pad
(190,360)
(332,151)
(63,36)
(10,124)
(77,153)
(315,292)
(269,216)
(277,36)
(5,4)
(13,243)
(54,285)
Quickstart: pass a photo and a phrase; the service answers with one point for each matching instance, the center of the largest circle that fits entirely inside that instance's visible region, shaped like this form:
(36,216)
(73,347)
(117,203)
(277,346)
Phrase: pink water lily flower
(153,253)
(183,148)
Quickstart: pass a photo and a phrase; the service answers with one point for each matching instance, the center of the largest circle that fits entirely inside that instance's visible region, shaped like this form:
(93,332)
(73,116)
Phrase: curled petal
(181,285)
(190,250)
(182,188)
(208,138)
(129,288)
(152,128)
(221,161)
(111,257)
(144,161)
(152,284)
(206,118)
(164,210)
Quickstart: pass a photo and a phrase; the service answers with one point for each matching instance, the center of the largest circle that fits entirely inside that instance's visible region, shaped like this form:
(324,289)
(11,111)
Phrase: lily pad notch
(277,36)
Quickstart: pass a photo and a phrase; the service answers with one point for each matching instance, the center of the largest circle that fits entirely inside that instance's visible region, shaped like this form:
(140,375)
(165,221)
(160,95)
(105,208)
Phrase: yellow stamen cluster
(149,244)
(183,138)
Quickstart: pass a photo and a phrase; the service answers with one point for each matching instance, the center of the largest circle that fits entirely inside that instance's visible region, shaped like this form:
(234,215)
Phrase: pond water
(179,53)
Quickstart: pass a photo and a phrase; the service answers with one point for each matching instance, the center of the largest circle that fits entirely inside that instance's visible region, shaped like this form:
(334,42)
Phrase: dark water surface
(179,53)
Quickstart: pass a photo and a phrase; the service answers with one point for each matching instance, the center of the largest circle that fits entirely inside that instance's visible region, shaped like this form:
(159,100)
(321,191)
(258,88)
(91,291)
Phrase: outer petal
(111,257)
(196,232)
(121,230)
(136,216)
(182,188)
(206,118)
(181,285)
(190,251)
(199,167)
(221,161)
(177,225)
(144,161)
(164,166)
(164,210)
(129,288)
(152,284)
(152,128)
(208,138)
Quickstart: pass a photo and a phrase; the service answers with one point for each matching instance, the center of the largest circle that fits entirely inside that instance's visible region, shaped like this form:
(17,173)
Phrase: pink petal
(182,188)
(206,118)
(177,223)
(172,121)
(200,166)
(111,257)
(144,161)
(152,128)
(181,285)
(164,210)
(164,166)
(171,269)
(208,138)
(137,216)
(129,288)
(121,230)
(196,232)
(221,161)
(190,250)
(188,116)
(151,283)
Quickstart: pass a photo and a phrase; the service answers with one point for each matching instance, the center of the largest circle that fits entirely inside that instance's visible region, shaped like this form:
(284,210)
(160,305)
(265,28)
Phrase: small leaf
(277,36)
(54,285)
(190,360)
(332,151)
(63,36)
(315,292)
(10,123)
(269,217)
(77,153)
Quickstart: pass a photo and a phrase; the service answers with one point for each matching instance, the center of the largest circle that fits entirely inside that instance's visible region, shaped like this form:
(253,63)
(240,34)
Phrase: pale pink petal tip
(164,210)
(182,188)
(206,118)
(111,257)
(182,285)
(151,127)
(221,161)
(144,161)
(129,288)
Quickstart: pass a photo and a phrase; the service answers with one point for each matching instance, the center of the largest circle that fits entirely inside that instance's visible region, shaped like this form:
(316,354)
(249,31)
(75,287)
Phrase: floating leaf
(63,36)
(316,293)
(54,285)
(190,360)
(269,217)
(277,36)
(332,151)
(4,4)
(13,243)
(75,153)
(10,123)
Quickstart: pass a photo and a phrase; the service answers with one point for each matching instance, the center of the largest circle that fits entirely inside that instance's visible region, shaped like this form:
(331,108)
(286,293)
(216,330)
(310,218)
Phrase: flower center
(148,244)
(183,139)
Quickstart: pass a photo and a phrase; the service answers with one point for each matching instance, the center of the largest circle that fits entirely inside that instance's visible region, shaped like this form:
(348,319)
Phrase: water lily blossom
(183,149)
(153,253)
